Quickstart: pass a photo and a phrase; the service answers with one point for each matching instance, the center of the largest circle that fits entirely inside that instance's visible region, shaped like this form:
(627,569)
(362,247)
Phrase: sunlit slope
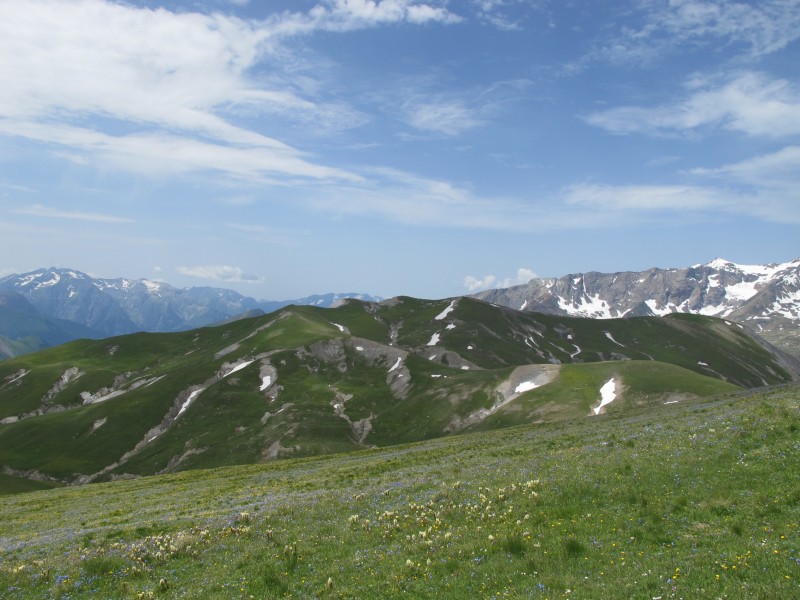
(308,381)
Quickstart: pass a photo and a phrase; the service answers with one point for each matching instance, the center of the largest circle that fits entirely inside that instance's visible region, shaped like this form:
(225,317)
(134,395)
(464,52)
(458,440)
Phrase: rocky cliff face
(764,297)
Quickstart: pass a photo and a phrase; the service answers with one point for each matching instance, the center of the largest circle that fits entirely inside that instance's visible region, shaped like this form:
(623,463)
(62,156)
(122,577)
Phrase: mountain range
(305,381)
(765,298)
(46,307)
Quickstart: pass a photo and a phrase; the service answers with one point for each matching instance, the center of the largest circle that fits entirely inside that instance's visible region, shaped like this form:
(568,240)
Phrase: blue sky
(427,148)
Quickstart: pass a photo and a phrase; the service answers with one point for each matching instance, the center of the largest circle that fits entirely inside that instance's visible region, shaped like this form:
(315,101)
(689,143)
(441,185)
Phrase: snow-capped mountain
(119,306)
(764,297)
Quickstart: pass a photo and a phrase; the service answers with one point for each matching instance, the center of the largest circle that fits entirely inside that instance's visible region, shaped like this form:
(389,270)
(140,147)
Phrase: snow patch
(608,394)
(526,386)
(186,404)
(609,336)
(266,381)
(434,340)
(446,311)
(238,367)
(340,327)
(397,364)
(450,326)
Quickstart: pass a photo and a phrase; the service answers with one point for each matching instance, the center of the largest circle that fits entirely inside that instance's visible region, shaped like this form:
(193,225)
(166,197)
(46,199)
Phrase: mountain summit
(764,297)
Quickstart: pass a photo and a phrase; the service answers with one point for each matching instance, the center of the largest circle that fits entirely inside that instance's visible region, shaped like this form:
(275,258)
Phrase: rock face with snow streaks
(764,297)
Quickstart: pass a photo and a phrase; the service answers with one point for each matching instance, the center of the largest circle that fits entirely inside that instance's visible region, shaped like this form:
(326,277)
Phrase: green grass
(694,500)
(10,484)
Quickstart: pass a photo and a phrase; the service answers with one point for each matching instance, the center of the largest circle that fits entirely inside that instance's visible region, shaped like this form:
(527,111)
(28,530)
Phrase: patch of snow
(742,291)
(434,340)
(587,306)
(152,286)
(525,386)
(188,401)
(89,398)
(701,363)
(446,311)
(608,394)
(577,351)
(435,375)
(239,366)
(470,348)
(341,327)
(524,304)
(671,402)
(17,376)
(464,368)
(660,312)
(266,381)
(56,278)
(397,364)
(609,336)
(450,326)
(360,348)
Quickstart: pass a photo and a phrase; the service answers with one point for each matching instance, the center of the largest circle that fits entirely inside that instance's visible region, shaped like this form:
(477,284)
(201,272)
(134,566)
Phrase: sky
(430,148)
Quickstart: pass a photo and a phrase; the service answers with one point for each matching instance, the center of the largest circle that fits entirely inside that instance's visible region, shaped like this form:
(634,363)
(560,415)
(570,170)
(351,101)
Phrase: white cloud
(752,103)
(224,273)
(452,113)
(119,82)
(162,153)
(49,212)
(449,117)
(475,284)
(642,198)
(777,169)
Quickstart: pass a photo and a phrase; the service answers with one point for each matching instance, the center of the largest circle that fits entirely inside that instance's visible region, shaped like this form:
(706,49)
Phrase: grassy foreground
(689,500)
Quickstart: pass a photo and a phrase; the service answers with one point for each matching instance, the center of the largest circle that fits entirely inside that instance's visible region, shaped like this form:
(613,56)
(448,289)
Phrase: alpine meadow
(383,299)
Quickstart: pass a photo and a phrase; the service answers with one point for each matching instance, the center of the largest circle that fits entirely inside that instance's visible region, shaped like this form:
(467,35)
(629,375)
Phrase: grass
(694,500)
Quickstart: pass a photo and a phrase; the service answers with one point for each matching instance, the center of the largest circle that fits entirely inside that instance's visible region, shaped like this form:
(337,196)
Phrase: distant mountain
(105,307)
(24,329)
(764,297)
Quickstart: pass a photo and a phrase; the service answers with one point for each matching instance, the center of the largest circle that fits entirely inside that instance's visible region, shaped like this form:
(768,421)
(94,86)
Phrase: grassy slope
(233,422)
(697,500)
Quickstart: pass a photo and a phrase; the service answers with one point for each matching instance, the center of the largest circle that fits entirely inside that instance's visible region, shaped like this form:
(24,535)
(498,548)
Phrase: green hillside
(306,381)
(691,500)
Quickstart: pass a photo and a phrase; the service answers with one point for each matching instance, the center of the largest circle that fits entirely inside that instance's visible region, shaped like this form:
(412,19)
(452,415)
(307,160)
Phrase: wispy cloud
(752,103)
(453,113)
(49,212)
(656,29)
(225,273)
(110,79)
(447,116)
